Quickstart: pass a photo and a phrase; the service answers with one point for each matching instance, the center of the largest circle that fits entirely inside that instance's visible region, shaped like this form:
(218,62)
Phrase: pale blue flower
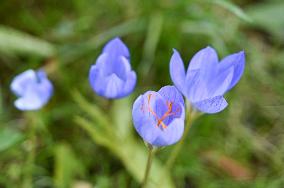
(159,116)
(111,76)
(33,90)
(207,79)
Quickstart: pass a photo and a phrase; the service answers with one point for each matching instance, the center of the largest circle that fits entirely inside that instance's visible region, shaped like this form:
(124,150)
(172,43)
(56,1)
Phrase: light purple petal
(31,100)
(173,96)
(121,67)
(211,106)
(177,71)
(144,121)
(206,61)
(107,86)
(192,83)
(21,81)
(198,89)
(116,47)
(113,86)
(108,65)
(102,64)
(126,64)
(44,90)
(237,61)
(129,84)
(170,93)
(95,78)
(219,85)
(171,134)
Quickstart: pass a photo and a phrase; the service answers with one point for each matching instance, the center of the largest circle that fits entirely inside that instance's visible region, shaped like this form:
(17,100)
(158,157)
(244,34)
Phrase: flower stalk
(148,166)
(28,170)
(191,115)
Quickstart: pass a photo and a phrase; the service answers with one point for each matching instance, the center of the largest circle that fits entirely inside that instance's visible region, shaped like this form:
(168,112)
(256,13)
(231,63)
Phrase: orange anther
(166,114)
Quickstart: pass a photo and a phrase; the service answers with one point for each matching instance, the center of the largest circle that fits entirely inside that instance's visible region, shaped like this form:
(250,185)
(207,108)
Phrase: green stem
(148,167)
(171,160)
(28,170)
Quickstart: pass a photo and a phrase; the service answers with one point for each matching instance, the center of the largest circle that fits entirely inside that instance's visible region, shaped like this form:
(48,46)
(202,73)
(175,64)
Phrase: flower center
(168,113)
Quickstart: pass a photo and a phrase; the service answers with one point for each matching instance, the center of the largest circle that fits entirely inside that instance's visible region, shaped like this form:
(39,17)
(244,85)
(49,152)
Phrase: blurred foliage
(83,140)
(13,41)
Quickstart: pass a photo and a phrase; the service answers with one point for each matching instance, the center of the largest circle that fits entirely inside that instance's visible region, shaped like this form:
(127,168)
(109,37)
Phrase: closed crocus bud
(111,77)
(159,116)
(33,90)
(207,79)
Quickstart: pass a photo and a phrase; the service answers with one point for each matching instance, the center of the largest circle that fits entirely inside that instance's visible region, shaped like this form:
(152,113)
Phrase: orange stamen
(166,114)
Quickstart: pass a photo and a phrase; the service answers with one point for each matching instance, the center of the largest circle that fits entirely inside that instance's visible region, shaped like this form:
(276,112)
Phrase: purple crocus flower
(206,80)
(111,76)
(33,89)
(159,116)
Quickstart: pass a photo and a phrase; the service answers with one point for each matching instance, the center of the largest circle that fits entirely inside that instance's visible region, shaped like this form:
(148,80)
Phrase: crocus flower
(206,79)
(159,116)
(33,89)
(111,76)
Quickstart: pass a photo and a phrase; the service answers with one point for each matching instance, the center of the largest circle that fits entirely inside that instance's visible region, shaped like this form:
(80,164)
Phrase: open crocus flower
(111,76)
(33,89)
(207,80)
(159,116)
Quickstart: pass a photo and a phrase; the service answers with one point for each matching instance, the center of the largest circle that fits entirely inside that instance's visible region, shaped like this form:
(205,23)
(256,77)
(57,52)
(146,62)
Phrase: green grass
(84,139)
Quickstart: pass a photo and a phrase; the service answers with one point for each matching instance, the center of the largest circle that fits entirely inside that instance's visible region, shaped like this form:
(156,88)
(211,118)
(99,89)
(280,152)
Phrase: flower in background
(111,76)
(159,116)
(33,89)
(206,80)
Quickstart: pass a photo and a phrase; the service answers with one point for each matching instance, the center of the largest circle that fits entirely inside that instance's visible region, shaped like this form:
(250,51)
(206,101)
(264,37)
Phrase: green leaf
(121,116)
(153,36)
(233,8)
(1,104)
(8,138)
(132,153)
(75,52)
(268,16)
(17,42)
(94,112)
(66,166)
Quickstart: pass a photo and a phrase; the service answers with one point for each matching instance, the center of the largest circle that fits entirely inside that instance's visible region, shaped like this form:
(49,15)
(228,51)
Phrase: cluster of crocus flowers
(33,90)
(204,85)
(111,76)
(158,117)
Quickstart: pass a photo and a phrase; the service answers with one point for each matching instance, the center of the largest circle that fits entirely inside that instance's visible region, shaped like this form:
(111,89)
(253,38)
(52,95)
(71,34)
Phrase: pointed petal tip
(114,40)
(116,46)
(117,39)
(176,54)
(242,53)
(241,56)
(177,70)
(209,48)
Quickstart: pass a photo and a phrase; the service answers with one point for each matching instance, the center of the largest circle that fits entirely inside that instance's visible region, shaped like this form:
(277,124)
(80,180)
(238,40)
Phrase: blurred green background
(80,140)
